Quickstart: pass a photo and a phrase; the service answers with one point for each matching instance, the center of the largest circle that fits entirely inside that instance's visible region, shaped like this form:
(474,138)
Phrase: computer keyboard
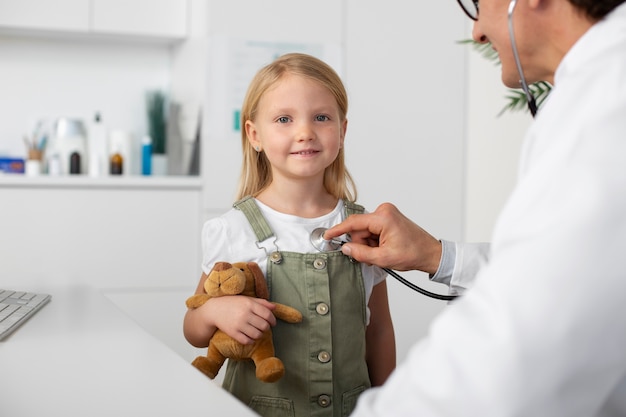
(16,307)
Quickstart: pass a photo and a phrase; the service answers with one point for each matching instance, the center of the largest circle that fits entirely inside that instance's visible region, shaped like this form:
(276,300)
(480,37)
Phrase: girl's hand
(242,318)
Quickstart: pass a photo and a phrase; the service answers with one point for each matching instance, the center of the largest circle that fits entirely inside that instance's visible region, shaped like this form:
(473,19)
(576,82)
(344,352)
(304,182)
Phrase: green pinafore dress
(324,355)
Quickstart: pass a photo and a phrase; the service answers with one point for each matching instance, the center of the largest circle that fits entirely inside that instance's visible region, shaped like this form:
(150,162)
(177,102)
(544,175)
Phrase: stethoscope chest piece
(321,244)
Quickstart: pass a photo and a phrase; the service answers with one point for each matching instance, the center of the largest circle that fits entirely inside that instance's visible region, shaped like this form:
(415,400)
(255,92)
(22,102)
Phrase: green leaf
(157,125)
(516,97)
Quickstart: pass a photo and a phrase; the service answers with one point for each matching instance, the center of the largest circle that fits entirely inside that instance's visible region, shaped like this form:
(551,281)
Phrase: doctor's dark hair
(256,172)
(596,9)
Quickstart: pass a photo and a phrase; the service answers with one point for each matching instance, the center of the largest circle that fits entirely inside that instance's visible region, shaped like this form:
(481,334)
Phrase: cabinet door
(64,15)
(159,18)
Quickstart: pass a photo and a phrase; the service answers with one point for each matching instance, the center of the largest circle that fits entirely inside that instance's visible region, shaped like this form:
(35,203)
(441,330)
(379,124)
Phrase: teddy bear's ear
(260,285)
(222,266)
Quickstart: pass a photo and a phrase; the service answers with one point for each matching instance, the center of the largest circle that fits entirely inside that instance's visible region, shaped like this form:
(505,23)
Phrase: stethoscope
(530,99)
(324,245)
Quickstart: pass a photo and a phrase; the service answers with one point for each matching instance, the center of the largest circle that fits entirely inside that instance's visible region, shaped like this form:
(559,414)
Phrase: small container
(54,165)
(75,163)
(117,163)
(122,142)
(32,167)
(146,155)
(69,136)
(159,164)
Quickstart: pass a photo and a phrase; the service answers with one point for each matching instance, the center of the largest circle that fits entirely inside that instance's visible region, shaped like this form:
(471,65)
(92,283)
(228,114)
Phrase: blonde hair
(256,172)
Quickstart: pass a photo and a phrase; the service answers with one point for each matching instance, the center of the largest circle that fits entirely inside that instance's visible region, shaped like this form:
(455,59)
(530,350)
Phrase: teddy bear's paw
(205,366)
(196,300)
(270,369)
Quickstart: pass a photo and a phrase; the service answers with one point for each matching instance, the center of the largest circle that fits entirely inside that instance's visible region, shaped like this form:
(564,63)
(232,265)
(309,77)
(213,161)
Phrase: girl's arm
(242,318)
(380,339)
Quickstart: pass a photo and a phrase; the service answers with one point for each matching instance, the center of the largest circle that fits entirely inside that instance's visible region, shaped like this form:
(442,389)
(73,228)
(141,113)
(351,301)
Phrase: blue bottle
(146,156)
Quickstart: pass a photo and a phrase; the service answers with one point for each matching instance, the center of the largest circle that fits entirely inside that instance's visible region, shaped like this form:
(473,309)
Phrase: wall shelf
(82,181)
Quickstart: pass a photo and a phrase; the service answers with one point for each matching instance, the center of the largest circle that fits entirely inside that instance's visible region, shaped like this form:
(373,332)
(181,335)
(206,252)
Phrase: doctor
(542,331)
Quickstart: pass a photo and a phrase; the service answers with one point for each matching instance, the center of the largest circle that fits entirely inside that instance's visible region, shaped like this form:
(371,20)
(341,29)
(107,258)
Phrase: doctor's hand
(388,239)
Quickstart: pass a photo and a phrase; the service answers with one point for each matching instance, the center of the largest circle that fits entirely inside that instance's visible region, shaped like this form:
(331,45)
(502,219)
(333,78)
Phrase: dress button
(319,263)
(323,356)
(276,257)
(322,309)
(323,400)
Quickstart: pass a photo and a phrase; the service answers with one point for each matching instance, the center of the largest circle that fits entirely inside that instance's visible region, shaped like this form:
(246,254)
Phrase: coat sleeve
(460,263)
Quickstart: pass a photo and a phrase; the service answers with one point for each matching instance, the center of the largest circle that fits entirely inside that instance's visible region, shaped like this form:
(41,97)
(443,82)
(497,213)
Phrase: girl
(293,181)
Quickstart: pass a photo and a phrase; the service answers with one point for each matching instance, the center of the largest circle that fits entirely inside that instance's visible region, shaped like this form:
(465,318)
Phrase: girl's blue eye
(321,118)
(283,119)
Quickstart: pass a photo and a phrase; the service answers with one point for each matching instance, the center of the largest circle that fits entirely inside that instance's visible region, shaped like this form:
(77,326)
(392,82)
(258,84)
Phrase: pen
(27,142)
(42,142)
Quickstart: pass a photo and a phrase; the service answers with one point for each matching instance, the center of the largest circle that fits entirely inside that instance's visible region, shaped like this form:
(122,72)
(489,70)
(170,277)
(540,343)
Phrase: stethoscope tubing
(419,289)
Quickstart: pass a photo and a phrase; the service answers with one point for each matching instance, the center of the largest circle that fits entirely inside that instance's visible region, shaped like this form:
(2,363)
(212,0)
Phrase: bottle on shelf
(54,165)
(97,148)
(117,162)
(123,142)
(146,155)
(75,163)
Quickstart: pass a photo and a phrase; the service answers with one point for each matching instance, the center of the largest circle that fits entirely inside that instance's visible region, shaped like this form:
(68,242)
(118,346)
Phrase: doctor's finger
(356,225)
(363,253)
(365,238)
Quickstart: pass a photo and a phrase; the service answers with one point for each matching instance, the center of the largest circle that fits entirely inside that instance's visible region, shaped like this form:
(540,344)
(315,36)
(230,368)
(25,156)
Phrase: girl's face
(299,127)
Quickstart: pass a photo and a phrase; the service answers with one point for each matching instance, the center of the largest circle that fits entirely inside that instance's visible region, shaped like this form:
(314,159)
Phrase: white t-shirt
(230,238)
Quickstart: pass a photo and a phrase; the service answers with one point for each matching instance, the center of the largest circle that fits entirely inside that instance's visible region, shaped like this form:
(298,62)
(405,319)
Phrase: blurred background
(424,133)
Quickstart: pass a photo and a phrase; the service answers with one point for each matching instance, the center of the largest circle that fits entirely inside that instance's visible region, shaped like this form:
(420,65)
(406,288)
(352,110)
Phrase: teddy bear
(243,278)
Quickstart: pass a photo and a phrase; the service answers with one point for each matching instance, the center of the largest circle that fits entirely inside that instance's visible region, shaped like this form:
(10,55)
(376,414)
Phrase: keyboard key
(16,307)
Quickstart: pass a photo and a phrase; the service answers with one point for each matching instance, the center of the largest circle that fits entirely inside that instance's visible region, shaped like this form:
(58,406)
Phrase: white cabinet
(66,15)
(161,19)
(135,232)
(140,17)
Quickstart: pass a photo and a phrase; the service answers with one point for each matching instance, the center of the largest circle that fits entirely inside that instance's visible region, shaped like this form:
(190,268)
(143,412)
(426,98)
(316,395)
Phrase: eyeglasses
(470,7)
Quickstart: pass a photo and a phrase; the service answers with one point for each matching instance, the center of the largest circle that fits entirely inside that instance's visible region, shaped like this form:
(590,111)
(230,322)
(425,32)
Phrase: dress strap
(260,226)
(353,208)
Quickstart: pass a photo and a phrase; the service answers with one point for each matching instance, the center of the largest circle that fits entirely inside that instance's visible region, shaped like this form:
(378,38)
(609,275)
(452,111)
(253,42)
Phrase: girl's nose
(305,131)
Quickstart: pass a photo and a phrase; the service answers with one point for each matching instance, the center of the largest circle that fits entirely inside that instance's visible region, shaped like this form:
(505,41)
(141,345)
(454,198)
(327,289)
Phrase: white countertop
(81,356)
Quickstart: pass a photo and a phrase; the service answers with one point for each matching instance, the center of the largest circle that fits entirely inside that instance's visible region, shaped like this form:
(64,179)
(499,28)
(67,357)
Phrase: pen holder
(35,154)
(32,167)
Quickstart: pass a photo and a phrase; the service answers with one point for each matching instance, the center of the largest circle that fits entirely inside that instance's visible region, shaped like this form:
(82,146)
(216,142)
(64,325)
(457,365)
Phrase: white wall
(268,21)
(493,145)
(405,76)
